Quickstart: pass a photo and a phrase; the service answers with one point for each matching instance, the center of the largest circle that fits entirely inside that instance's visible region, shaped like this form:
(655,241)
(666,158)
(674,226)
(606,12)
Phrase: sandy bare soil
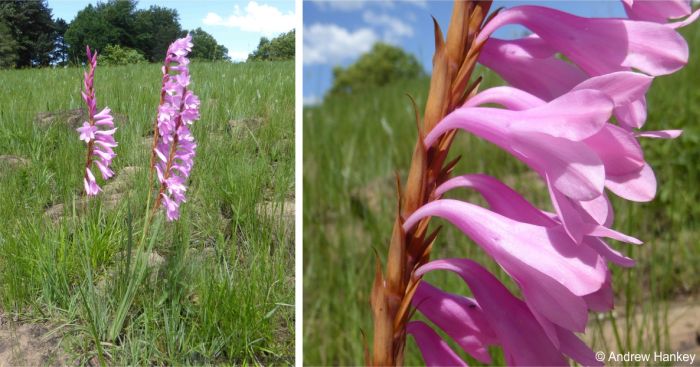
(683,333)
(30,345)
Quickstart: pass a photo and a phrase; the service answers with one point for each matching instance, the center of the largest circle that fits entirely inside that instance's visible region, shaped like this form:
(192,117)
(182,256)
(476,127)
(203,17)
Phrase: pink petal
(551,269)
(603,299)
(650,47)
(574,169)
(523,339)
(601,231)
(691,19)
(633,115)
(639,186)
(569,215)
(576,349)
(459,317)
(574,116)
(518,63)
(609,253)
(106,172)
(618,149)
(599,209)
(658,11)
(501,198)
(623,87)
(105,113)
(660,134)
(509,97)
(435,351)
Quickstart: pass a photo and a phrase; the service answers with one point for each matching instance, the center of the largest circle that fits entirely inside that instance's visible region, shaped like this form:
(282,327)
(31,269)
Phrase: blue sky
(337,32)
(238,25)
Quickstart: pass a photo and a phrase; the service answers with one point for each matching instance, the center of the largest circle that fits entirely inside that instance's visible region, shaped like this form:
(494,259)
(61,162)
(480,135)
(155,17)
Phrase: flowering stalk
(453,63)
(557,118)
(99,142)
(174,145)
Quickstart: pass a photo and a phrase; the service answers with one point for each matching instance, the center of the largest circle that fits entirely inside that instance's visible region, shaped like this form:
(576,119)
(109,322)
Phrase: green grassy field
(219,286)
(352,147)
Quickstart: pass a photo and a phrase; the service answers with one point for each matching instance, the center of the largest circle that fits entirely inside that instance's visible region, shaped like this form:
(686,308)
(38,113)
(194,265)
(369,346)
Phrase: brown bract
(450,86)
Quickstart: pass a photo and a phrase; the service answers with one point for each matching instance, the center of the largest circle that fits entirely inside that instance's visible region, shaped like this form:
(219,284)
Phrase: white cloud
(312,100)
(394,28)
(331,44)
(353,5)
(238,55)
(258,18)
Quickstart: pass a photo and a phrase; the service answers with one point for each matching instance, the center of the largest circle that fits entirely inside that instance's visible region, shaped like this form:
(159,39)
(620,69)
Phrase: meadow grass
(223,293)
(354,144)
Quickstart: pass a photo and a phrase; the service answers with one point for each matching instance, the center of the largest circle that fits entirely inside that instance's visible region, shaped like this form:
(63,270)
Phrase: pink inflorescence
(575,124)
(175,148)
(100,141)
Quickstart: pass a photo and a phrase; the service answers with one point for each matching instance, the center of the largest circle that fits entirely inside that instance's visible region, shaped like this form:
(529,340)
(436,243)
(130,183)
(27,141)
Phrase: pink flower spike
(175,147)
(435,351)
(650,47)
(100,142)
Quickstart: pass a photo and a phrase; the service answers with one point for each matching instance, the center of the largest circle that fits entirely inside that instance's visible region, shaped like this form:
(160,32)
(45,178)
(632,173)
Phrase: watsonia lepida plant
(574,121)
(173,147)
(172,160)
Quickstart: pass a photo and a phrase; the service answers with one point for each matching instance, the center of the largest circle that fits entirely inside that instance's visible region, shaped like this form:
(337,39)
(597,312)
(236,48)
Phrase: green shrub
(118,55)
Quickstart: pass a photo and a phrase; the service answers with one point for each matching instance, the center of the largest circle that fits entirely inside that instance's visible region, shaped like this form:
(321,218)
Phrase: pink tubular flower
(573,121)
(175,145)
(517,329)
(100,142)
(661,11)
(531,64)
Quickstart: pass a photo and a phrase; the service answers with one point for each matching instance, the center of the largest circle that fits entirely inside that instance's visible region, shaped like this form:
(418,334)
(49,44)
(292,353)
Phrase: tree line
(30,36)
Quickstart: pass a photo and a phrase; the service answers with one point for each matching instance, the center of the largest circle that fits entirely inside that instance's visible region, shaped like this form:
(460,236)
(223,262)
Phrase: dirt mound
(112,193)
(283,210)
(72,118)
(30,345)
(9,163)
(13,161)
(240,127)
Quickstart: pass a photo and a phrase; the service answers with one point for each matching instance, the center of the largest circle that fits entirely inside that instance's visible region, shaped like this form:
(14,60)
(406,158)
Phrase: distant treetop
(30,37)
(279,48)
(382,65)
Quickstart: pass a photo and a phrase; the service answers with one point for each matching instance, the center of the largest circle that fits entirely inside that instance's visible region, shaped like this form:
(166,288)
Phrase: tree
(8,47)
(59,55)
(110,23)
(206,47)
(30,26)
(382,65)
(154,29)
(279,48)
